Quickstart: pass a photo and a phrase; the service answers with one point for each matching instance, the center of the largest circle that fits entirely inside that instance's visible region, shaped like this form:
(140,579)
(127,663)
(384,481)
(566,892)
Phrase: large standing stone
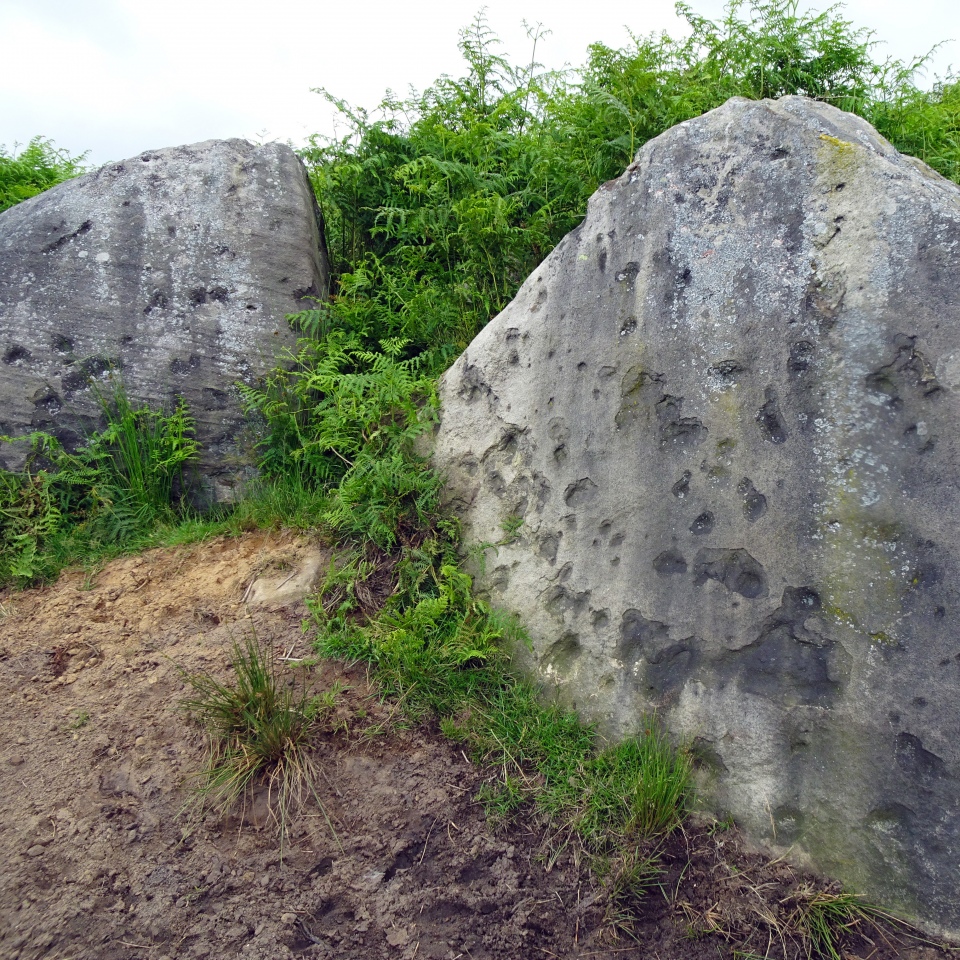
(175,268)
(726,408)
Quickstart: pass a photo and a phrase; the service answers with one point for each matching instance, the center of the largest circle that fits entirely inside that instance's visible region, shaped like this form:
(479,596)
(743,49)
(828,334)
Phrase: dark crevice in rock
(772,425)
(84,227)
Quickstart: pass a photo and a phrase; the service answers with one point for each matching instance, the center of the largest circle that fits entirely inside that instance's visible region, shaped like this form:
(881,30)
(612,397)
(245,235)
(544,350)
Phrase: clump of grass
(638,788)
(259,731)
(821,919)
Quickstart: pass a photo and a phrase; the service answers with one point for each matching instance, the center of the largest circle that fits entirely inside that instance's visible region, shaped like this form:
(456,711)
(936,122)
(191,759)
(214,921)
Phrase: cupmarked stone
(750,354)
(174,270)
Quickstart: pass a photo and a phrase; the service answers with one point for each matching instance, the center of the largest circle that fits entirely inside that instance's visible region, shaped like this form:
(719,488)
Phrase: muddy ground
(397,860)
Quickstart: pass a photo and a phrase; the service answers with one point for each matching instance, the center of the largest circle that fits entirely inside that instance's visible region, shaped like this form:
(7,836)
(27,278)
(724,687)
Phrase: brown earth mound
(396,860)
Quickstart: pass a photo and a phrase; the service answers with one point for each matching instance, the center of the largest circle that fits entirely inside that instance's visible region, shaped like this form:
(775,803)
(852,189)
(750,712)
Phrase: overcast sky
(117,77)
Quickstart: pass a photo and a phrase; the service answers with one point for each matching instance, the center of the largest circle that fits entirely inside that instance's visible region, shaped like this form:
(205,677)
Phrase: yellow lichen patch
(840,144)
(838,160)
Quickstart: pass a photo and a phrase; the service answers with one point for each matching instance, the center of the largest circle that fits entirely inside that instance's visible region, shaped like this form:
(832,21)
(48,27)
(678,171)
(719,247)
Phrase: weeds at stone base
(259,731)
(764,910)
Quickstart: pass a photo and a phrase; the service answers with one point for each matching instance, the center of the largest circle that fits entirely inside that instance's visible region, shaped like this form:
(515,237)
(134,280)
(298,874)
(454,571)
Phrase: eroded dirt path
(399,863)
(92,762)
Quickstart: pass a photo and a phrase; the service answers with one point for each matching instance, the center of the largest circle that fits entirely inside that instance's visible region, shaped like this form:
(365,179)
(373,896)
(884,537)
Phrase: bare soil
(397,859)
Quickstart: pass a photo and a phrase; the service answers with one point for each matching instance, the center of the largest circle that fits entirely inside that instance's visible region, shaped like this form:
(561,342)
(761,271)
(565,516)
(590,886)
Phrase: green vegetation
(37,167)
(437,208)
(109,495)
(443,204)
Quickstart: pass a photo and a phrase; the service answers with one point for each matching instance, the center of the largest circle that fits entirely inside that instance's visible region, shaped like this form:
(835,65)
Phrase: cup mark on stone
(559,601)
(682,487)
(557,429)
(735,569)
(509,440)
(17,354)
(473,385)
(47,399)
(158,301)
(638,635)
(801,356)
(562,655)
(787,662)
(499,578)
(703,524)
(638,391)
(548,545)
(599,619)
(918,762)
(86,370)
(628,274)
(180,366)
(725,374)
(677,431)
(496,484)
(908,368)
(754,502)
(579,493)
(214,399)
(669,563)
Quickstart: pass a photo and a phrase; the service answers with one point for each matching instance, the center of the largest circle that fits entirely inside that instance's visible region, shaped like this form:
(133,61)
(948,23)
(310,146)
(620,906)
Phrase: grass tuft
(259,731)
(821,919)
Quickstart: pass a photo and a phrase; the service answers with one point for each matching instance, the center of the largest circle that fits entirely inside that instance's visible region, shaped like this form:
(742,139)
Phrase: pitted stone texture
(176,268)
(726,408)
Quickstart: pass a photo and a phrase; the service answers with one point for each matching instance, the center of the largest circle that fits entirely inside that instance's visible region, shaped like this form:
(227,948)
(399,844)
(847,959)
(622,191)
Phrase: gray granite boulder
(175,268)
(727,410)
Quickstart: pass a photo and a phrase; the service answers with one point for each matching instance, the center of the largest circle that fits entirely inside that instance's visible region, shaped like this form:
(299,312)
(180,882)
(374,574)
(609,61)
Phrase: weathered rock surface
(176,268)
(726,408)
